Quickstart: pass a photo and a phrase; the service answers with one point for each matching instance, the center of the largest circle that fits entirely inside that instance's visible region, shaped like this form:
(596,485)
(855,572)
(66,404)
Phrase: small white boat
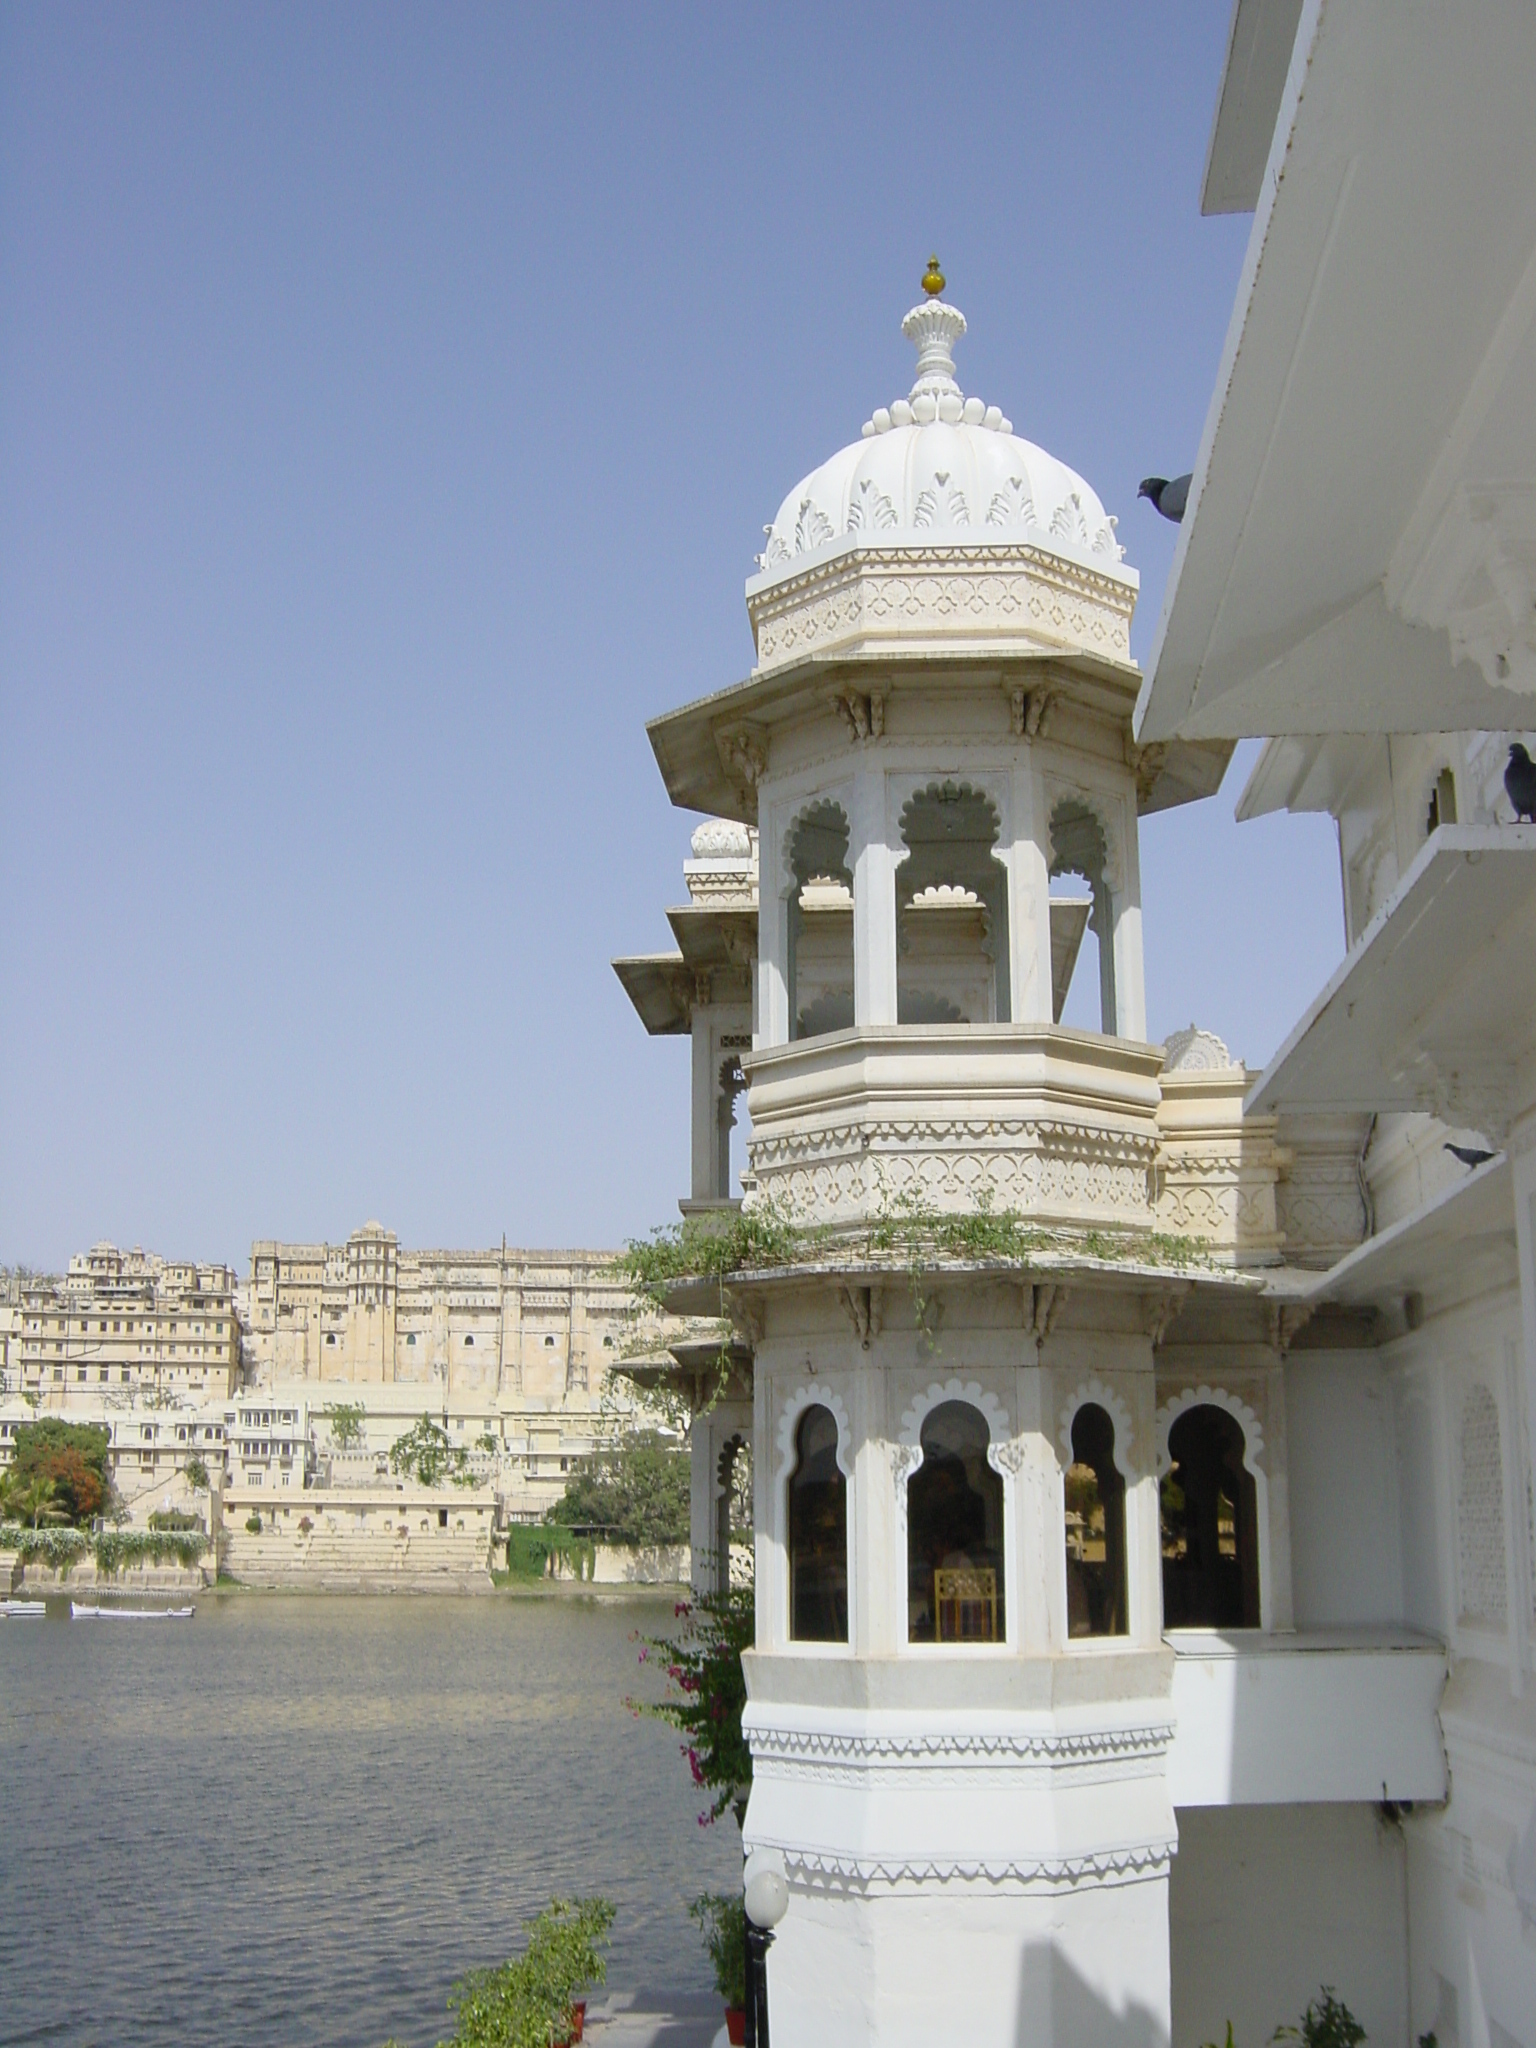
(16,1609)
(78,1612)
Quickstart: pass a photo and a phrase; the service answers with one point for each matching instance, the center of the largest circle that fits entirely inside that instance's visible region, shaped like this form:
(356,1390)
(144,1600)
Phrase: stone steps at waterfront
(322,1556)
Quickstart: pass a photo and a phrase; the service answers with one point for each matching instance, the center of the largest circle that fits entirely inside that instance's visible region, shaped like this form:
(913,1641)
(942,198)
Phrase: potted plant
(722,1919)
(533,2001)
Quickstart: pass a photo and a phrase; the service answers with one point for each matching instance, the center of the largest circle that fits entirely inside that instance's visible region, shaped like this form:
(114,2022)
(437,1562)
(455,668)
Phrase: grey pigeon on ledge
(1469,1155)
(1169,495)
(1520,782)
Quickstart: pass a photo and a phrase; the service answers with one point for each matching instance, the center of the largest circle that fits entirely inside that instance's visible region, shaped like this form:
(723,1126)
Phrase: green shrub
(722,1919)
(635,1490)
(56,1547)
(174,1518)
(118,1547)
(526,2003)
(1326,2023)
(195,1472)
(708,1694)
(531,1546)
(253,1524)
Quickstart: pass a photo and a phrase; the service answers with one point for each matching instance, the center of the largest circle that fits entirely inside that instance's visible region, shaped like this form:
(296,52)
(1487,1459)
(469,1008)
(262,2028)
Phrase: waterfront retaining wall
(403,1538)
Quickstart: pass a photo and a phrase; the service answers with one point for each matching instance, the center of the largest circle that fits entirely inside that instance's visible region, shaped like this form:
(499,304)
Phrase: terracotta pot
(578,2024)
(736,2025)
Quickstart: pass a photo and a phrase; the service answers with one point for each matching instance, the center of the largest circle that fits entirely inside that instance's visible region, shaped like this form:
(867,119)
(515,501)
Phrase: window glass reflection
(818,1533)
(1210,1525)
(955,1533)
(1095,1528)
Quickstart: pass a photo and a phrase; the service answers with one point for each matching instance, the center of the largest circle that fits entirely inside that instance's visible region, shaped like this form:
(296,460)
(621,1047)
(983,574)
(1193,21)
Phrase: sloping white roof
(1359,550)
(1434,1007)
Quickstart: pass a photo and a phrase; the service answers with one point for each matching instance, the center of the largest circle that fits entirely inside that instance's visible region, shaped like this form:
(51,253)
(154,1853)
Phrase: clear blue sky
(391,401)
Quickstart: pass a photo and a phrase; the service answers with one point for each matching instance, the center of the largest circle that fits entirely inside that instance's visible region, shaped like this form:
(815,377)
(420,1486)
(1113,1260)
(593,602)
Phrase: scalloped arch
(1093,1391)
(795,1405)
(1210,1397)
(916,1413)
(1105,814)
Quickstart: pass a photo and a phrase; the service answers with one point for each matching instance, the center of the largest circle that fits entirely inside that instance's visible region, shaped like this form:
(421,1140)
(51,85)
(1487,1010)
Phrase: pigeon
(1169,495)
(1520,781)
(1469,1155)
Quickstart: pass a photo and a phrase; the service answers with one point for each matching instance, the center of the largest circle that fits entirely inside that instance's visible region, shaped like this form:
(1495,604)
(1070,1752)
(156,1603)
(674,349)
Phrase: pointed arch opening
(819,965)
(1095,1528)
(818,1533)
(951,910)
(1210,1524)
(1078,847)
(955,1589)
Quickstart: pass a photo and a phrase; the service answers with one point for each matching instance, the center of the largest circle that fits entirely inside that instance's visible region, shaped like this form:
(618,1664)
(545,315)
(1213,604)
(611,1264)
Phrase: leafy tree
(73,1456)
(195,1473)
(32,1501)
(635,1490)
(346,1419)
(425,1454)
(708,1691)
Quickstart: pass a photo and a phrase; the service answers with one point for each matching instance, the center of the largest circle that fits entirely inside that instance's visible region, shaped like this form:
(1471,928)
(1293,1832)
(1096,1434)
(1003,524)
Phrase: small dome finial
(933,278)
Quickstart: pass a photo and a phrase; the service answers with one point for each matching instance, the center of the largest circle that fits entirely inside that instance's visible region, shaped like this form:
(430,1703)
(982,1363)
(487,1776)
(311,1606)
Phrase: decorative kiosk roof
(938,540)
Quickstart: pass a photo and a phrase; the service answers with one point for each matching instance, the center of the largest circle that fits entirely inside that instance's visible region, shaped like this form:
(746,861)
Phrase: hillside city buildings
(298,1379)
(1142,1445)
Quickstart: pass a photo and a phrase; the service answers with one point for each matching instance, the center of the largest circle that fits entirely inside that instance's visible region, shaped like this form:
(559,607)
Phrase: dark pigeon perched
(1520,781)
(1169,495)
(1469,1155)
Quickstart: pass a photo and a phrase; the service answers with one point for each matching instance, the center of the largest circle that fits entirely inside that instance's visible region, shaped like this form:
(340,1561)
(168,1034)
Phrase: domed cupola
(940,522)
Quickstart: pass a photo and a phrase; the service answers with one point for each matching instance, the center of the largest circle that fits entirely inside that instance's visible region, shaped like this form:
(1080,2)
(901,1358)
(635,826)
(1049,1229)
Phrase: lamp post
(767,1900)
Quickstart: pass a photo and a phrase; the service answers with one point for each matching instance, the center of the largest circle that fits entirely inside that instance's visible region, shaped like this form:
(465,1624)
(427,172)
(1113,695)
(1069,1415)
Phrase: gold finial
(933,278)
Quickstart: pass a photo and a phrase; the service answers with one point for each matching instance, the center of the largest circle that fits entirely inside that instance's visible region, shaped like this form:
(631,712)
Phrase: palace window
(819,969)
(1078,848)
(955,1533)
(818,1533)
(1210,1525)
(951,911)
(1095,1528)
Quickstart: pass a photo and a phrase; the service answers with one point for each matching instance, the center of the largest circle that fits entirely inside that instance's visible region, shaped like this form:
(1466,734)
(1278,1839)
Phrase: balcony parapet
(1054,1125)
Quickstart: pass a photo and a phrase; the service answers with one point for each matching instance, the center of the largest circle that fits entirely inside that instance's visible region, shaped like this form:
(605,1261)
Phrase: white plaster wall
(1345,1554)
(1031,1970)
(1266,1904)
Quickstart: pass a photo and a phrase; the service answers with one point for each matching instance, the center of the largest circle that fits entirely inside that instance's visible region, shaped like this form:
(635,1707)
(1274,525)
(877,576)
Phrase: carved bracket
(1050,1300)
(864,1308)
(1161,1305)
(1148,766)
(862,711)
(748,1315)
(1286,1321)
(1027,709)
(743,752)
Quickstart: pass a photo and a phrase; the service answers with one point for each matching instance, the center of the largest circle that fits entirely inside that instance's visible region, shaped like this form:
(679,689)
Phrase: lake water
(295,1820)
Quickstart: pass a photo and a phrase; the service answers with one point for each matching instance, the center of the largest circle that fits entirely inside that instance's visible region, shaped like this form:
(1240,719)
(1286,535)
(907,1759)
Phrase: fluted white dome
(937,463)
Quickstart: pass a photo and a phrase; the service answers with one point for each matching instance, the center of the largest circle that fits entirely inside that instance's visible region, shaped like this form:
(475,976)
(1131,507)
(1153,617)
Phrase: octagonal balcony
(1055,1124)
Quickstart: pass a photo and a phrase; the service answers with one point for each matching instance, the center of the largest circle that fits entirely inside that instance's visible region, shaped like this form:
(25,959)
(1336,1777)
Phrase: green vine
(118,1547)
(113,1548)
(906,1231)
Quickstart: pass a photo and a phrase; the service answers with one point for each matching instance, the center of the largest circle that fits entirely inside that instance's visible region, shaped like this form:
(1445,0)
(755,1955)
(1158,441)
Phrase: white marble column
(874,861)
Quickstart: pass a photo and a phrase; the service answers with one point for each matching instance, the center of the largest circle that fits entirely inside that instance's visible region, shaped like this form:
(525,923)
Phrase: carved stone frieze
(941,1748)
(827,1871)
(1015,591)
(849,1170)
